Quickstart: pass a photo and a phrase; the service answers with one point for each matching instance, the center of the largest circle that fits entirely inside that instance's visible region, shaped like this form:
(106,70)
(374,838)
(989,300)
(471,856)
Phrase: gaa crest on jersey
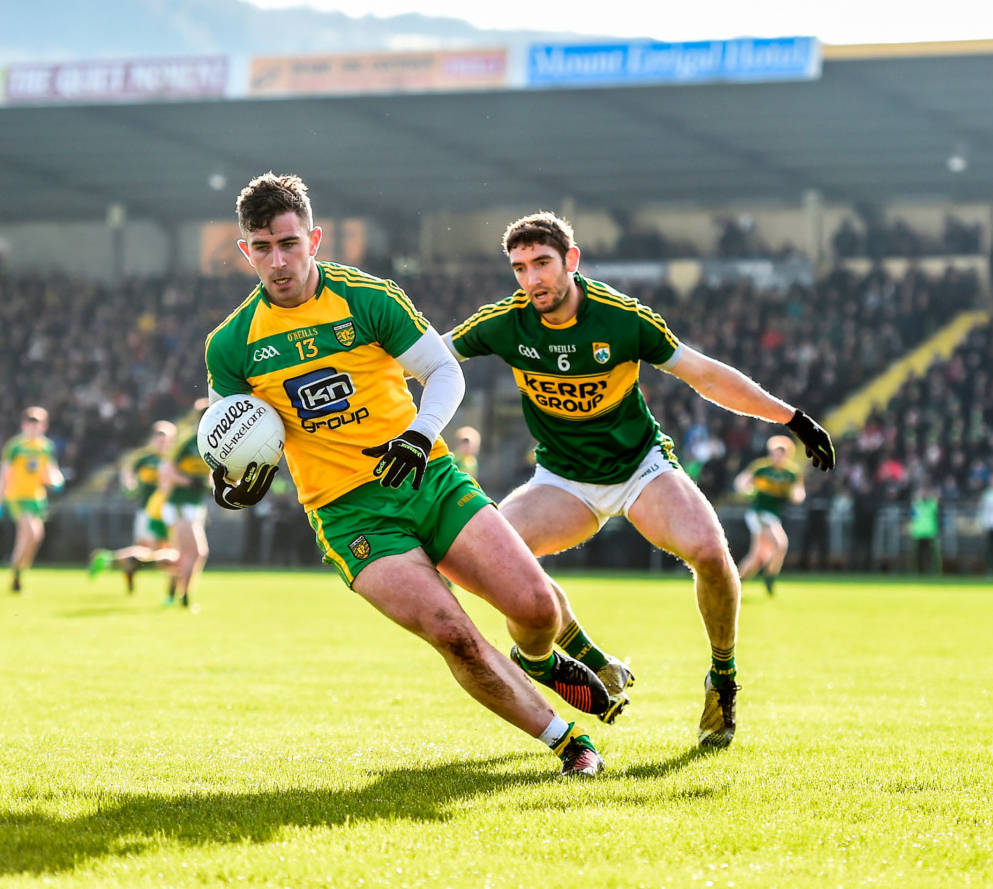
(601,352)
(345,333)
(360,547)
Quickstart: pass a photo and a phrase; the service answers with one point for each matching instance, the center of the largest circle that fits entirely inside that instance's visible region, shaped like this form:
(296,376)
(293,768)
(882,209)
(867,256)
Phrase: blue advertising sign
(643,62)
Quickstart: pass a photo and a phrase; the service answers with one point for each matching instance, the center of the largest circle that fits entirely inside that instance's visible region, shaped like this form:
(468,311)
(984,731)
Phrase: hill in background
(42,31)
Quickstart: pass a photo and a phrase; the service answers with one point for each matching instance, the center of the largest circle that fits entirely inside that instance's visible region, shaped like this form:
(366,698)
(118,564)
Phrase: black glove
(405,454)
(815,439)
(249,491)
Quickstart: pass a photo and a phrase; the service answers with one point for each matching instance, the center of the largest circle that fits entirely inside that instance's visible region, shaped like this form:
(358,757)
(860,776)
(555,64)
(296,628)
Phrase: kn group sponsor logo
(322,399)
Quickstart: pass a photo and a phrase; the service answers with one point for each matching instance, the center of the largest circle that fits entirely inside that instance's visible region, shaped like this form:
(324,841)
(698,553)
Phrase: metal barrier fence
(821,541)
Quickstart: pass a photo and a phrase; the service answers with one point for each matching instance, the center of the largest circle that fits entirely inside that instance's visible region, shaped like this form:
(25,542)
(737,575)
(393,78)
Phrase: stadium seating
(108,360)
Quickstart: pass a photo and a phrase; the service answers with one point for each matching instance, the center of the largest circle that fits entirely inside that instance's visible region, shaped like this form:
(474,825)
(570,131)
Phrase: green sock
(540,669)
(574,642)
(722,667)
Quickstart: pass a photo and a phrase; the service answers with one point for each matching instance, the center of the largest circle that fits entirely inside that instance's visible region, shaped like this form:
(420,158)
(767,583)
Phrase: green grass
(288,735)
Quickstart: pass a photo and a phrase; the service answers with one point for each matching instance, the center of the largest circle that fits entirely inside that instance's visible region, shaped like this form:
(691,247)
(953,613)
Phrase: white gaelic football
(238,430)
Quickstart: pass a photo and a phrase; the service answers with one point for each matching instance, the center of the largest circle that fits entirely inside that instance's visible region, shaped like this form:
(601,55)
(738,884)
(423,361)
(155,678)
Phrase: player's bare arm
(731,389)
(728,387)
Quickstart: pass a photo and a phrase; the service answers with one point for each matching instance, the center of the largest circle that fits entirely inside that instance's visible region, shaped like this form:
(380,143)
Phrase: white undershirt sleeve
(672,359)
(431,363)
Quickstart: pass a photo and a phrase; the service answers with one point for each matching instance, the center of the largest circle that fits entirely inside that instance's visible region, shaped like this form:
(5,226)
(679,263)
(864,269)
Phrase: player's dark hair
(268,196)
(539,228)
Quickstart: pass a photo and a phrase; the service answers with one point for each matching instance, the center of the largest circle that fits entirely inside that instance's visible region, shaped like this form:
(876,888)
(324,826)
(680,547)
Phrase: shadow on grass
(96,611)
(649,783)
(126,824)
(668,767)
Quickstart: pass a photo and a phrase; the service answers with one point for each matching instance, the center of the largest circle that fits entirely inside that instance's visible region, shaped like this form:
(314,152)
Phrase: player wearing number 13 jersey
(328,368)
(329,346)
(576,347)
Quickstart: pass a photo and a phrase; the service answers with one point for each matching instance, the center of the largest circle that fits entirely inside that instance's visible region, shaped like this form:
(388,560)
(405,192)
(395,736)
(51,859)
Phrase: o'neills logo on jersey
(344,333)
(601,352)
(360,547)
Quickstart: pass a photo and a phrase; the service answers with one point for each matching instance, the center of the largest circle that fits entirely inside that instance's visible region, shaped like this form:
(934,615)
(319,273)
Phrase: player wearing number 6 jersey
(576,347)
(329,346)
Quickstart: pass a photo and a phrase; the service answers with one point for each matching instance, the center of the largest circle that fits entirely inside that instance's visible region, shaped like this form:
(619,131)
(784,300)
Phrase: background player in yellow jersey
(576,347)
(28,469)
(771,482)
(328,346)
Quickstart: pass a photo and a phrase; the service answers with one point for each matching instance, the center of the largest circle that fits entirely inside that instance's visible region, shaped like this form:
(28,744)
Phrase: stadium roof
(869,130)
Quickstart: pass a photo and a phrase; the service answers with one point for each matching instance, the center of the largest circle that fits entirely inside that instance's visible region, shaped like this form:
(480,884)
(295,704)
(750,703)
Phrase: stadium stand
(108,360)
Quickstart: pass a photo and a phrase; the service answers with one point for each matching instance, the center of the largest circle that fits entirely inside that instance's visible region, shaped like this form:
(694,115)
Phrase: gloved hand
(815,439)
(249,491)
(405,454)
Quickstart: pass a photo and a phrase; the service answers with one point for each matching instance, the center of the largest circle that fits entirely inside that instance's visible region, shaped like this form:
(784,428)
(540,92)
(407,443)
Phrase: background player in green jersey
(28,470)
(184,483)
(328,346)
(771,482)
(576,346)
(150,535)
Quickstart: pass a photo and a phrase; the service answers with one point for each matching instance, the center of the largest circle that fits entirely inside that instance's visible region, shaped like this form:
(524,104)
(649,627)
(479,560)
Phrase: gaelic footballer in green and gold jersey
(328,367)
(185,457)
(579,380)
(772,484)
(27,460)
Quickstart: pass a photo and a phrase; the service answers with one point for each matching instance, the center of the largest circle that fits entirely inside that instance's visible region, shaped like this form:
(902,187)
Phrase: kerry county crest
(345,333)
(601,352)
(360,547)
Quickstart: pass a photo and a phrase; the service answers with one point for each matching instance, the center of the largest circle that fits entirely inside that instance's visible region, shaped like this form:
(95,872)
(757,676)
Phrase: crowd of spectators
(105,360)
(877,238)
(108,360)
(872,235)
(812,346)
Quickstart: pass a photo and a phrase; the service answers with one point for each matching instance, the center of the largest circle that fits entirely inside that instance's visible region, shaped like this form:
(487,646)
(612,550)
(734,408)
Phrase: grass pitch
(288,735)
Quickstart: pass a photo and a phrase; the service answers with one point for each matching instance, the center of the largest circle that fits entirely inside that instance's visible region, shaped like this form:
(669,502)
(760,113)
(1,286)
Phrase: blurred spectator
(961,239)
(899,239)
(864,507)
(847,240)
(924,529)
(984,517)
(814,546)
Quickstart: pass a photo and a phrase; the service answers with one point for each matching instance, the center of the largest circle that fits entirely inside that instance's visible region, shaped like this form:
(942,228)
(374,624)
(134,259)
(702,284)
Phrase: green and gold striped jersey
(329,368)
(772,484)
(28,460)
(185,456)
(579,381)
(146,472)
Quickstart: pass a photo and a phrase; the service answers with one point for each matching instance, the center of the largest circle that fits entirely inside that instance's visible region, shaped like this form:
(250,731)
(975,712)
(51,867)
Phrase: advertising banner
(379,73)
(644,62)
(117,81)
(344,241)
